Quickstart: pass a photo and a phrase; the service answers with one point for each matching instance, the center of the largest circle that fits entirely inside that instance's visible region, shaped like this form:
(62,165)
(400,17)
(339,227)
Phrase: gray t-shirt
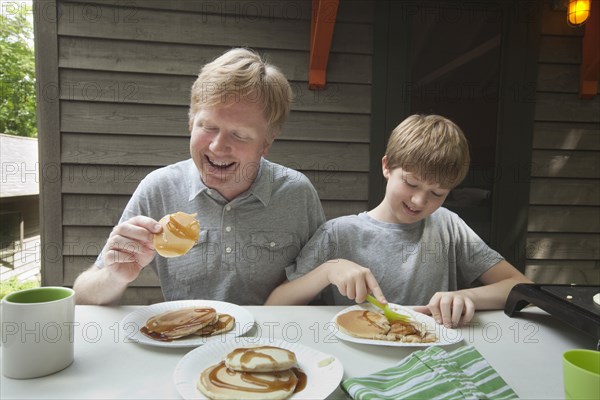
(245,245)
(410,261)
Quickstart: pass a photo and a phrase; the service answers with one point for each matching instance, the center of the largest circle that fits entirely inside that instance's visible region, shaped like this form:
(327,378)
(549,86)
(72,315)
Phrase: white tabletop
(526,351)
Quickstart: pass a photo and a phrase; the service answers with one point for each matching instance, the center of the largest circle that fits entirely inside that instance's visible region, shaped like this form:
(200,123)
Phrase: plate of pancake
(254,368)
(364,323)
(186,323)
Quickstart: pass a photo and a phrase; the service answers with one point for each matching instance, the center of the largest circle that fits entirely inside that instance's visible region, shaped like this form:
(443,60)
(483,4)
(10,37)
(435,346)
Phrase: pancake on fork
(179,323)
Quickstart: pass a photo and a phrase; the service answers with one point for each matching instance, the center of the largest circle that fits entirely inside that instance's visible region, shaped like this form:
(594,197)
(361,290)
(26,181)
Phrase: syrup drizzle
(296,381)
(180,230)
(222,323)
(163,329)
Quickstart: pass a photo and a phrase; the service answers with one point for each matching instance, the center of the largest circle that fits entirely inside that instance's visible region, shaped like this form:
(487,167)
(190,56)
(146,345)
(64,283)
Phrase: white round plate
(445,336)
(132,323)
(321,381)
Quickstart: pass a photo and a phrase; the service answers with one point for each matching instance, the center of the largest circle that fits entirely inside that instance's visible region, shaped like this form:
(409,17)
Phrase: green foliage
(13,284)
(17,76)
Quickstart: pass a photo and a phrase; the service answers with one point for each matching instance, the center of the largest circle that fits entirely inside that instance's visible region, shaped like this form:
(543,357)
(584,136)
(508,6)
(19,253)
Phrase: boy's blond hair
(431,147)
(240,74)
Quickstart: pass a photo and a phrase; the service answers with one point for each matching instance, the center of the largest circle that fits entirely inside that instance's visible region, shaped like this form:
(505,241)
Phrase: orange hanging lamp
(578,12)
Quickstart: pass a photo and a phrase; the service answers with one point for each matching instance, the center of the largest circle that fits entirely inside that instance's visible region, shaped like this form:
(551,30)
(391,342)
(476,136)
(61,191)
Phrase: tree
(17,76)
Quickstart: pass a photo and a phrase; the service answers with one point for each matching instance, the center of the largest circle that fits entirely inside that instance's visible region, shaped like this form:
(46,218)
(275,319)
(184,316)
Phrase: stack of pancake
(176,324)
(261,372)
(367,324)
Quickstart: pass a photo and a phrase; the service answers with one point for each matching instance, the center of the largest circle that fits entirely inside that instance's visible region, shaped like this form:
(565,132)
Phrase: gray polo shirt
(410,261)
(245,245)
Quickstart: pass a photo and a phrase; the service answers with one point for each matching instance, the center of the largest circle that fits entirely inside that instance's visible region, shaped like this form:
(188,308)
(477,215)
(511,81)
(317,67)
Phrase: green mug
(37,331)
(581,370)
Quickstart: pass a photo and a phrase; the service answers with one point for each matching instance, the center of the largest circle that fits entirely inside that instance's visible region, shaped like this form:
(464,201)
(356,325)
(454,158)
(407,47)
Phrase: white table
(526,351)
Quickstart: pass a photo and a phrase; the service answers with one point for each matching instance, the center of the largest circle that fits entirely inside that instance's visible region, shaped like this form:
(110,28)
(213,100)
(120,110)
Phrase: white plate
(445,336)
(320,381)
(132,323)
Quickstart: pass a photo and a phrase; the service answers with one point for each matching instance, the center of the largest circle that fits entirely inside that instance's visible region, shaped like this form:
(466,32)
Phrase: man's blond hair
(431,147)
(241,75)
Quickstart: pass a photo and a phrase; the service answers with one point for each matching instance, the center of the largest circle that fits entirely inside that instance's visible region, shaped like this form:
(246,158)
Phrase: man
(255,215)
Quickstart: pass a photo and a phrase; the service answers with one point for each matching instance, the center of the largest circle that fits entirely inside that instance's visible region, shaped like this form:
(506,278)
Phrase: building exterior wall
(19,194)
(116,78)
(563,241)
(114,91)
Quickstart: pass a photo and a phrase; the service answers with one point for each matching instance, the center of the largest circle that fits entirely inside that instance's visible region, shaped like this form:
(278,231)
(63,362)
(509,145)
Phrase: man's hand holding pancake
(130,247)
(134,243)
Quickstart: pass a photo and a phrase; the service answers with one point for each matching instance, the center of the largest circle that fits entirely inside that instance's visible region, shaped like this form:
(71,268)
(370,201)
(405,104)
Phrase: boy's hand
(129,247)
(353,280)
(449,308)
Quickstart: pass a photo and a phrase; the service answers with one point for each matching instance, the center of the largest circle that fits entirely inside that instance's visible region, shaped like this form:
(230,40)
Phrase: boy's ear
(384,167)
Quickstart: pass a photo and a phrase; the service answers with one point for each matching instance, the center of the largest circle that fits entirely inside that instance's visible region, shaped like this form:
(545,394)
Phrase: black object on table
(572,304)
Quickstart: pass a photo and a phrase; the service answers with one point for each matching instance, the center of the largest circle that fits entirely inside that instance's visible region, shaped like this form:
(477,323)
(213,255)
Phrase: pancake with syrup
(179,323)
(221,383)
(179,234)
(373,325)
(364,324)
(236,377)
(260,359)
(224,323)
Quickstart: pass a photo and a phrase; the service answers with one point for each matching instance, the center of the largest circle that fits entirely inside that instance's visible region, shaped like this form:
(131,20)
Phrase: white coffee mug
(37,328)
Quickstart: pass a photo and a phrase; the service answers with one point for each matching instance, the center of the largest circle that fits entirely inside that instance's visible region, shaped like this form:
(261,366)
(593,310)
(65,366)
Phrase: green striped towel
(433,374)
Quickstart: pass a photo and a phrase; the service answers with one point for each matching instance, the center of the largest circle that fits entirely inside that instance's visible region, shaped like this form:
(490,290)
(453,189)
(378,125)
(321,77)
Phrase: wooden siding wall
(125,73)
(563,241)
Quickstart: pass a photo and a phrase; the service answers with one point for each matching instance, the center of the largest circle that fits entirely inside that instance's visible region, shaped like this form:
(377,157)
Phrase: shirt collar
(261,188)
(195,183)
(263,184)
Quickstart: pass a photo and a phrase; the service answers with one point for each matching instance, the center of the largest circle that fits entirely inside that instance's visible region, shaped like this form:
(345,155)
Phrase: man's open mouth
(219,165)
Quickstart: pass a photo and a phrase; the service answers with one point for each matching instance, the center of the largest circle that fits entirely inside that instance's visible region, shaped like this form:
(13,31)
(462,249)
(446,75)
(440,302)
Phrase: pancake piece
(179,323)
(260,359)
(221,383)
(364,324)
(179,234)
(224,323)
(374,325)
(425,337)
(400,328)
(410,332)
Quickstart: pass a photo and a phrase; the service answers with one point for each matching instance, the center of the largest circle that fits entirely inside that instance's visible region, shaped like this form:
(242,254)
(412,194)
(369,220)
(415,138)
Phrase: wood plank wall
(563,241)
(125,70)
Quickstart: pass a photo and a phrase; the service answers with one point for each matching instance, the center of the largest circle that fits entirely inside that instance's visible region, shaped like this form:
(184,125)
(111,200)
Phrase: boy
(414,250)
